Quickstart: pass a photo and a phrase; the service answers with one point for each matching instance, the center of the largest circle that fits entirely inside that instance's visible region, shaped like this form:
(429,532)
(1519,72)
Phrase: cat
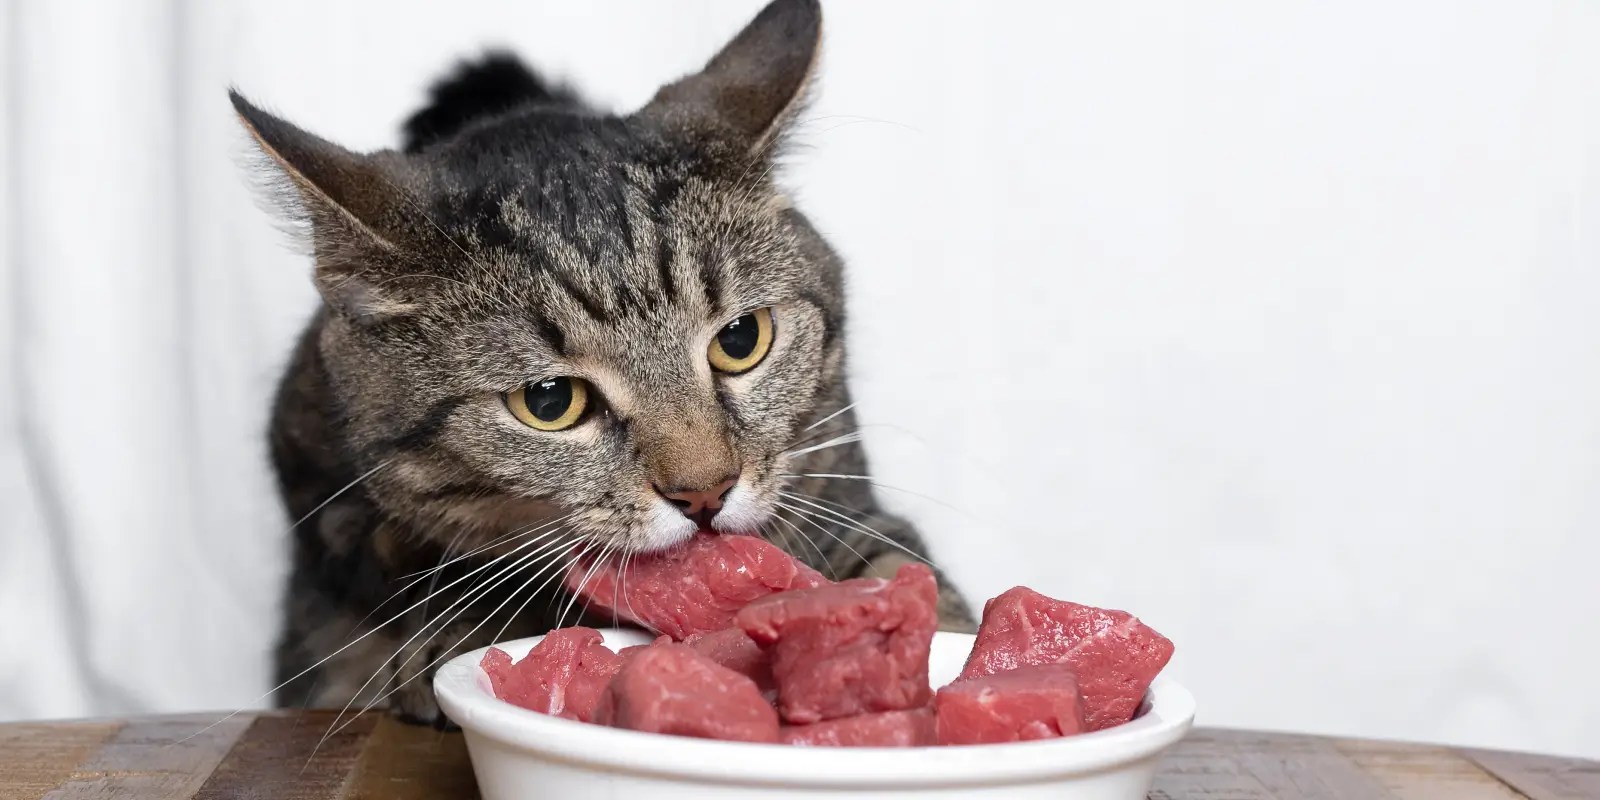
(546,331)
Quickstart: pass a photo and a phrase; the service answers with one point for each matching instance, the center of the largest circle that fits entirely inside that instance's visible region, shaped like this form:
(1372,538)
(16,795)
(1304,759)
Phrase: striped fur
(535,238)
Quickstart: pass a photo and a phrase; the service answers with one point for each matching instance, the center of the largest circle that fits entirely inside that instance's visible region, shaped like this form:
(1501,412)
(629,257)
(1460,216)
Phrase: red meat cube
(1021,704)
(733,649)
(694,588)
(914,728)
(1114,655)
(807,578)
(670,688)
(563,675)
(854,647)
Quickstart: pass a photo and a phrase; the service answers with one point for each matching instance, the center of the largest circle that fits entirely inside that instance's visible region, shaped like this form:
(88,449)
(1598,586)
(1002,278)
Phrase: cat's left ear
(751,89)
(356,206)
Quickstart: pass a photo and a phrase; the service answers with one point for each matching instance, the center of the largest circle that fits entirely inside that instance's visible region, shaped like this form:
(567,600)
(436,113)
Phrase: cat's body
(547,328)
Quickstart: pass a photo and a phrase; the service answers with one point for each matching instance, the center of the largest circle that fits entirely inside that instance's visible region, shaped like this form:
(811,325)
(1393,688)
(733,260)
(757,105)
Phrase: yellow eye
(552,404)
(741,345)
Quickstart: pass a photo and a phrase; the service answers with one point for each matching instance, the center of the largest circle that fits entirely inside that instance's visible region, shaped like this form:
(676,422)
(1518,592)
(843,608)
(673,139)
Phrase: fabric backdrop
(1273,322)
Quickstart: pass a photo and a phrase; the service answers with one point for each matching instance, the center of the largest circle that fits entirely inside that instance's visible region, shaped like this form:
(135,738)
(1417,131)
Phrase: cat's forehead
(598,243)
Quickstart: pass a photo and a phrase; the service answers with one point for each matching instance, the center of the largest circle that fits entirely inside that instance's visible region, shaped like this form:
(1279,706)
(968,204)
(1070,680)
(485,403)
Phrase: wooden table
(268,756)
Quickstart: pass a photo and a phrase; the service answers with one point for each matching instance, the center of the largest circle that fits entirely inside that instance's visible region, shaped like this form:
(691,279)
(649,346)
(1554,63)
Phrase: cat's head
(542,311)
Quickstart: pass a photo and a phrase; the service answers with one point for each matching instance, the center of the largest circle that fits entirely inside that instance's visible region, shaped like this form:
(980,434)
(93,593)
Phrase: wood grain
(36,758)
(1542,777)
(269,756)
(283,757)
(159,759)
(410,762)
(1420,772)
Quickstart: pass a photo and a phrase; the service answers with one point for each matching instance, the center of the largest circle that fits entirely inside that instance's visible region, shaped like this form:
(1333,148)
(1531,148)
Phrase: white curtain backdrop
(1273,322)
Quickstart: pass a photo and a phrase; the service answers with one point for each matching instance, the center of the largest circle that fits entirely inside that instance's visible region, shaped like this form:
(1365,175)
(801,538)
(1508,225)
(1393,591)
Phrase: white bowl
(517,753)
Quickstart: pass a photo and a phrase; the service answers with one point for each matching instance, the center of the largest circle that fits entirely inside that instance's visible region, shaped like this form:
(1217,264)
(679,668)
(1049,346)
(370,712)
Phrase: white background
(1272,322)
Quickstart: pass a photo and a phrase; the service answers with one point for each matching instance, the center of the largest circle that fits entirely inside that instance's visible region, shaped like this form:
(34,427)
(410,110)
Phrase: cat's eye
(742,343)
(552,404)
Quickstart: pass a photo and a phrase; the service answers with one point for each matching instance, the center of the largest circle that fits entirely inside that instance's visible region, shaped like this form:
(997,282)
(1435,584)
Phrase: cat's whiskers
(491,543)
(848,438)
(874,483)
(824,420)
(627,559)
(577,591)
(859,527)
(353,642)
(822,558)
(459,606)
(804,517)
(434,582)
(542,533)
(573,555)
(551,554)
(336,495)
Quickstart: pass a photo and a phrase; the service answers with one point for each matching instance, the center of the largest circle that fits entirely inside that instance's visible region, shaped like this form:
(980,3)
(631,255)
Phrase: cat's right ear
(354,205)
(749,92)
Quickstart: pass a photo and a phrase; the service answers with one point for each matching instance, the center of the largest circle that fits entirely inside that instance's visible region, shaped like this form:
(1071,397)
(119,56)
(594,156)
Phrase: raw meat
(1017,705)
(563,675)
(807,578)
(854,647)
(1114,655)
(733,649)
(670,688)
(695,588)
(914,728)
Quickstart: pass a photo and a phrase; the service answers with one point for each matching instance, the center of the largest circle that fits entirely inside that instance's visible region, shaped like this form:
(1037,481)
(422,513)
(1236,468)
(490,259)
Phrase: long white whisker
(822,558)
(352,643)
(434,583)
(463,602)
(578,591)
(860,527)
(335,495)
(875,485)
(432,587)
(830,416)
(446,652)
(849,438)
(536,528)
(562,566)
(801,514)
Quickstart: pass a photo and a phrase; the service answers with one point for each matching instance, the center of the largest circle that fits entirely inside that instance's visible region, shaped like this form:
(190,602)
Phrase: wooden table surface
(268,756)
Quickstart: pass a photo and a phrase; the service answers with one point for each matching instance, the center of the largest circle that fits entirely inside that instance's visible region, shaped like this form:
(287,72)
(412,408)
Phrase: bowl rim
(463,692)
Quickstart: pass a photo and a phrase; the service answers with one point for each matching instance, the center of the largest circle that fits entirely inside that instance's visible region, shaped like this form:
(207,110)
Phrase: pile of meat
(757,647)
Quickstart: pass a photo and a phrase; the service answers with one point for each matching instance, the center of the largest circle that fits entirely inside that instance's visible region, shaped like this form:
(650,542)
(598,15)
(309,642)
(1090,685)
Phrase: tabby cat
(547,331)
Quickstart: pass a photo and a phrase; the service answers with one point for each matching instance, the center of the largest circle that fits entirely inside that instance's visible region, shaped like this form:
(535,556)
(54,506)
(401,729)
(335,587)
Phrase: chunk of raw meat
(914,728)
(734,649)
(670,688)
(694,588)
(1114,655)
(854,647)
(807,578)
(563,675)
(626,654)
(1017,705)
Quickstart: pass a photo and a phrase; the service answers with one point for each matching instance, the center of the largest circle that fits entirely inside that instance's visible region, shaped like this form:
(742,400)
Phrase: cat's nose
(699,505)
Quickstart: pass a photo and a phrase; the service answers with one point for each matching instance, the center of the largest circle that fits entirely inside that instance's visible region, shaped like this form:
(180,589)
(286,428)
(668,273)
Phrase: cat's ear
(354,206)
(753,87)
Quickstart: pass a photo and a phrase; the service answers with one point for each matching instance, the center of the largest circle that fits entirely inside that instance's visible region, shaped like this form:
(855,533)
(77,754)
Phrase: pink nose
(699,505)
